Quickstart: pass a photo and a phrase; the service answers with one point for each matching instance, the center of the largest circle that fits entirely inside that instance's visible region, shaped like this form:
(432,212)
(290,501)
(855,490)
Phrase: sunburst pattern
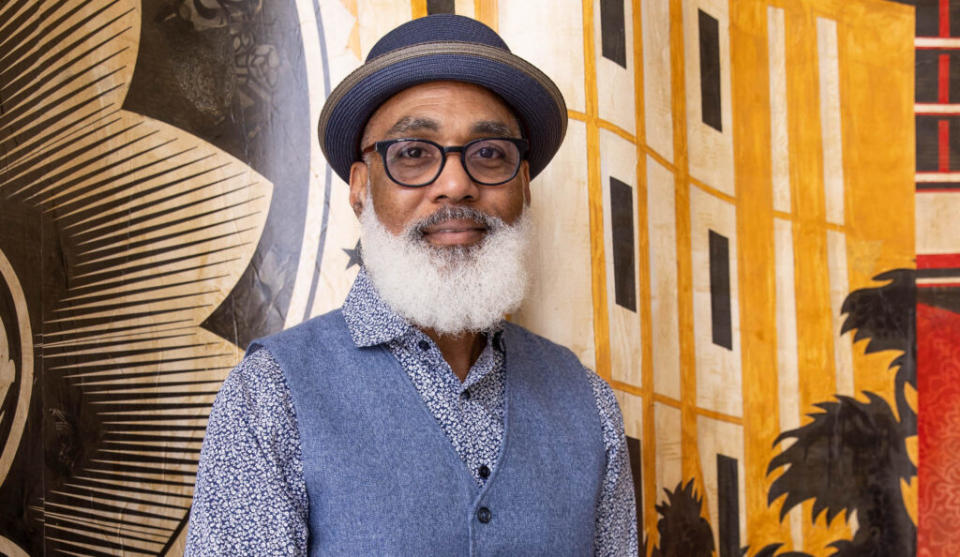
(151,229)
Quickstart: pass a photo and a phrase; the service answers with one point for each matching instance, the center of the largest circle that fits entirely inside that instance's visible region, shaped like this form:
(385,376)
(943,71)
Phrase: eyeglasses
(489,161)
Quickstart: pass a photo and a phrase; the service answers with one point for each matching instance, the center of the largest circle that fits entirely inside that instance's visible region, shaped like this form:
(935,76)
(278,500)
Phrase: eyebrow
(485,127)
(492,128)
(409,123)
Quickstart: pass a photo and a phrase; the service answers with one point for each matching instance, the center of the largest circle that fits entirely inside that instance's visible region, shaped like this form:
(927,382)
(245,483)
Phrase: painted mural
(752,230)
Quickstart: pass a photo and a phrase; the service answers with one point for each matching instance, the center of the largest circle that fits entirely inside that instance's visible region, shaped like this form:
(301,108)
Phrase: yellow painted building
(788,168)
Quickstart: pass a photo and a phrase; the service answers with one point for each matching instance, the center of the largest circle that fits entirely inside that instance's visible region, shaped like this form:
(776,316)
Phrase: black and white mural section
(141,200)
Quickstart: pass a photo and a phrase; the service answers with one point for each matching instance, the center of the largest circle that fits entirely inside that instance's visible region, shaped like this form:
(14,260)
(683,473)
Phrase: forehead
(441,106)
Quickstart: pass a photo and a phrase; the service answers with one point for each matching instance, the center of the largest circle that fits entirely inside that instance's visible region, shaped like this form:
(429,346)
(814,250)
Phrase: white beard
(449,290)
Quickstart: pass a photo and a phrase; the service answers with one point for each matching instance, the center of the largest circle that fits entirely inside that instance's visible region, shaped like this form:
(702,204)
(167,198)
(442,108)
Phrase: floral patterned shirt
(250,497)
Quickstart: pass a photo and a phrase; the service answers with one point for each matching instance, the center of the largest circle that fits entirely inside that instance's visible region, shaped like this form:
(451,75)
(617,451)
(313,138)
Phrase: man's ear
(358,186)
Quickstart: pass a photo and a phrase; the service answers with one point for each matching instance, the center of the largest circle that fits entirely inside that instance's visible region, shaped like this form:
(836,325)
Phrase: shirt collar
(371,321)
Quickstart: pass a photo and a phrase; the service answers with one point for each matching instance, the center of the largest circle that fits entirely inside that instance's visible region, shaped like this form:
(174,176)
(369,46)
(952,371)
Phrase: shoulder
(603,397)
(308,331)
(257,372)
(255,391)
(527,340)
(608,409)
(564,365)
(305,344)
(611,418)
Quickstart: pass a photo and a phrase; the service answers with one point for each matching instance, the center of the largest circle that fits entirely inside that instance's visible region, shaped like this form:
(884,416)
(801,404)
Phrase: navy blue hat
(434,48)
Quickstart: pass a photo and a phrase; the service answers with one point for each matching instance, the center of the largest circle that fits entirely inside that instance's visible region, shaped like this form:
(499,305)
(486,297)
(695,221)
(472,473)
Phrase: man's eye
(489,153)
(411,153)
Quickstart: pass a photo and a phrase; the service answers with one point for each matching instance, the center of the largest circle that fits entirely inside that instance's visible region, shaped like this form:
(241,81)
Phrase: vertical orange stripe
(601,325)
(418,8)
(649,454)
(487,11)
(880,195)
(688,381)
(876,77)
(756,272)
(815,361)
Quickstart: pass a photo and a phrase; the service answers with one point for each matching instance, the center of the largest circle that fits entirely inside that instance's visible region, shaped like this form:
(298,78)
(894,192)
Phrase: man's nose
(454,183)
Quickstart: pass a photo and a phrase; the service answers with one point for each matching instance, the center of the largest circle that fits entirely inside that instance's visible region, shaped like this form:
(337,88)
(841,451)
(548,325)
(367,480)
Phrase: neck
(460,351)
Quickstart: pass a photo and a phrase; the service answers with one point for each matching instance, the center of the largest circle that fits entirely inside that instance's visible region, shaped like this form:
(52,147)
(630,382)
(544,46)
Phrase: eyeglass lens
(487,161)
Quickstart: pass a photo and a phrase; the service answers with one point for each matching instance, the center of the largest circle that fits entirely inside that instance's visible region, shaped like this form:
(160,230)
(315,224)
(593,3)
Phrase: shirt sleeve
(616,528)
(250,497)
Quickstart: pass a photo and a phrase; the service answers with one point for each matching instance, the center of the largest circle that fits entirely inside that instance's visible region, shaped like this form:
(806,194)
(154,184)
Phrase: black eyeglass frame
(523,146)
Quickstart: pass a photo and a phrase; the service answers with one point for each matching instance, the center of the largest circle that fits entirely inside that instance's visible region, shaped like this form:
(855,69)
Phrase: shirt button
(465,395)
(484,471)
(484,515)
(424,345)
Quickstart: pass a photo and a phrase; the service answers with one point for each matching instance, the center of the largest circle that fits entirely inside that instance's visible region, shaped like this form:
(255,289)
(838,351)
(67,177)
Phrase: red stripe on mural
(938,261)
(938,428)
(944,18)
(943,78)
(943,145)
(940,285)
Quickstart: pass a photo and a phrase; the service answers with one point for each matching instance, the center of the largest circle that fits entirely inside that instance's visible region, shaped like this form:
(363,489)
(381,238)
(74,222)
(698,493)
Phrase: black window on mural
(928,17)
(613,32)
(621,222)
(928,143)
(954,15)
(636,467)
(952,85)
(440,7)
(952,144)
(926,75)
(710,71)
(728,497)
(720,290)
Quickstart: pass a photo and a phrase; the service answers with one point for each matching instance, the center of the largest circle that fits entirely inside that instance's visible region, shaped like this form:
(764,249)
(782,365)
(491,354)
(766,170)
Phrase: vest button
(424,345)
(484,515)
(465,395)
(484,471)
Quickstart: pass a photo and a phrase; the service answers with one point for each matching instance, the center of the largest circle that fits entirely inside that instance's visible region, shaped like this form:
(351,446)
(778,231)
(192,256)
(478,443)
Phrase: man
(415,420)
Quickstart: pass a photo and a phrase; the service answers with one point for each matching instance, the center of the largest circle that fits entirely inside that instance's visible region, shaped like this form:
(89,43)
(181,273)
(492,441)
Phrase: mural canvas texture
(752,231)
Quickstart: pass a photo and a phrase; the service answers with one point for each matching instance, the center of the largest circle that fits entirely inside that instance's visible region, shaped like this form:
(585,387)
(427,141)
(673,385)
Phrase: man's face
(448,113)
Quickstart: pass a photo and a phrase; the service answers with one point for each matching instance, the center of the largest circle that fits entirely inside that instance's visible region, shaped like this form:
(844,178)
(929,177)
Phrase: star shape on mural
(354,254)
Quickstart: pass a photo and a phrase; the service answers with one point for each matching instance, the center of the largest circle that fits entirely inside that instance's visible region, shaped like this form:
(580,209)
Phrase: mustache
(490,222)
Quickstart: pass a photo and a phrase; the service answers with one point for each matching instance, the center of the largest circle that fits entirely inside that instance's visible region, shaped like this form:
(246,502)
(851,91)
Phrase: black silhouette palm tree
(852,456)
(683,530)
(887,317)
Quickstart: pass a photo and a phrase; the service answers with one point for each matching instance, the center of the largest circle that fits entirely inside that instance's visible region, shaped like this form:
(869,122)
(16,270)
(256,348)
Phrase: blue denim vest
(383,479)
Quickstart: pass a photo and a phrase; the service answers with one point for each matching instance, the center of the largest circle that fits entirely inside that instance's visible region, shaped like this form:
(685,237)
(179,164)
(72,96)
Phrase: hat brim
(529,92)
